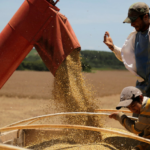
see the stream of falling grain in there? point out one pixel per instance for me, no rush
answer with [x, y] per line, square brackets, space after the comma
[75, 95]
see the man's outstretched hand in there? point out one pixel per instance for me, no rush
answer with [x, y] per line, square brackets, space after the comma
[108, 41]
[114, 115]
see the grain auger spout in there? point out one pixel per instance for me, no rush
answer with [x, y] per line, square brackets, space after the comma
[39, 24]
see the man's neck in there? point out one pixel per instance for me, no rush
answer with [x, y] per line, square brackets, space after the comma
[146, 27]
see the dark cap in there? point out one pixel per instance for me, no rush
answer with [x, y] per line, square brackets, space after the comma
[136, 10]
[127, 95]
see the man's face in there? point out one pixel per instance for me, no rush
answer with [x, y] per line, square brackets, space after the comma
[140, 24]
[135, 107]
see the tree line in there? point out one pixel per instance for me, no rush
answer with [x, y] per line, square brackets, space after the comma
[101, 60]
[90, 59]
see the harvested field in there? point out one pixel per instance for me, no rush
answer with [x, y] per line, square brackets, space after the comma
[110, 82]
[27, 94]
[28, 84]
[37, 85]
[27, 88]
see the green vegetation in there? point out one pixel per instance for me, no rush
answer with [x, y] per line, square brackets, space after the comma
[91, 60]
[100, 60]
[33, 62]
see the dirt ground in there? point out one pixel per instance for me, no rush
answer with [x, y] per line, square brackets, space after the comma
[36, 85]
[28, 93]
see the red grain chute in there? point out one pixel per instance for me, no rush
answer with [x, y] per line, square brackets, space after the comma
[36, 23]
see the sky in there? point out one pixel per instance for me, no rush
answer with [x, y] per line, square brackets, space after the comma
[88, 18]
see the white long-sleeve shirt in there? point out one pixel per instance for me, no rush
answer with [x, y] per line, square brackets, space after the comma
[126, 54]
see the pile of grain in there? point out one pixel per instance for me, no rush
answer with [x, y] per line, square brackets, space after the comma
[109, 142]
[74, 95]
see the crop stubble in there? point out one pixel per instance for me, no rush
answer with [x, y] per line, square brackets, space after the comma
[38, 85]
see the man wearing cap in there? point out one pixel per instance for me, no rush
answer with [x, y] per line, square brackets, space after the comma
[132, 98]
[135, 53]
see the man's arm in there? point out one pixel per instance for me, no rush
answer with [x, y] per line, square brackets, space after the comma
[132, 126]
[109, 42]
[117, 52]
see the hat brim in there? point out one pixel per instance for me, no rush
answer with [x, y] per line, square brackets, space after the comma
[127, 20]
[124, 103]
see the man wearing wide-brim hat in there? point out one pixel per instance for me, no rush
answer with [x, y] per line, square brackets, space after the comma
[135, 53]
[132, 98]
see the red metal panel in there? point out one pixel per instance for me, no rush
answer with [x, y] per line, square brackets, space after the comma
[28, 20]
[13, 49]
[56, 41]
[42, 6]
[35, 23]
